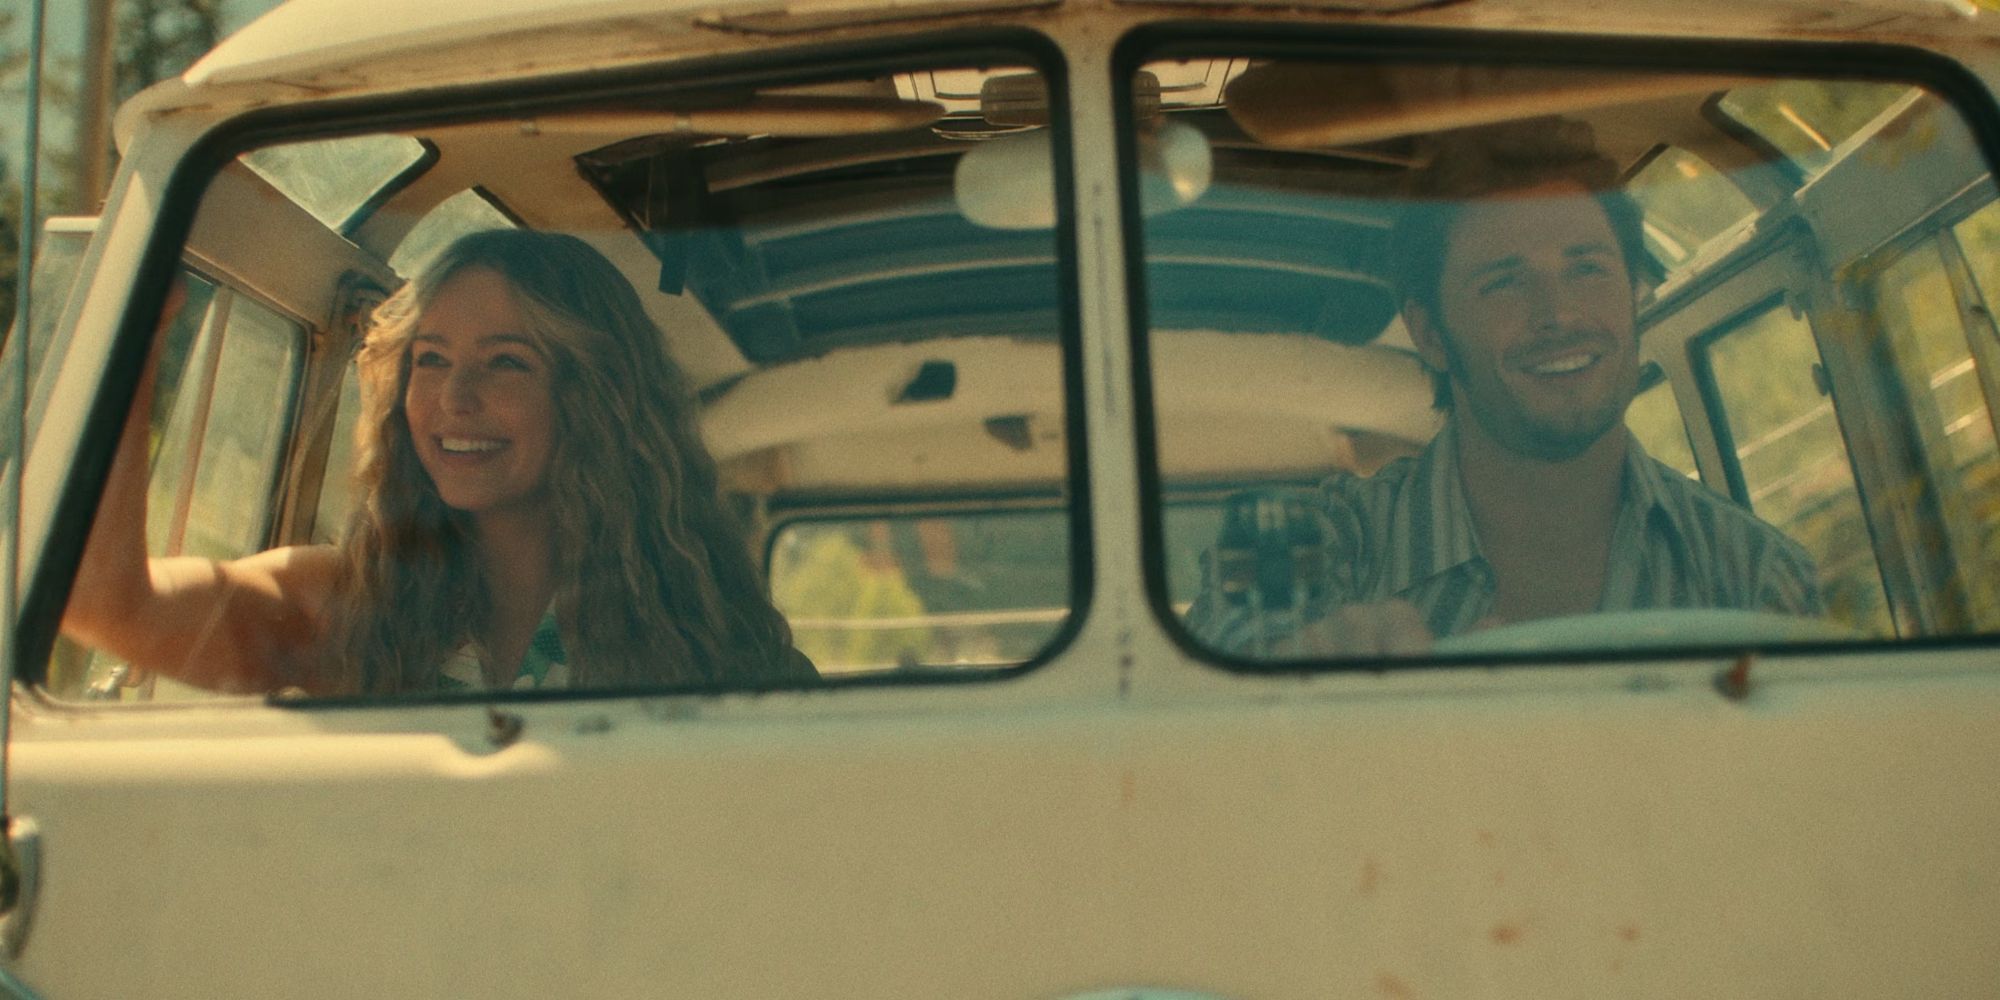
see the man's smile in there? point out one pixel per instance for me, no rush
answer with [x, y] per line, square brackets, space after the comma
[1554, 359]
[1564, 364]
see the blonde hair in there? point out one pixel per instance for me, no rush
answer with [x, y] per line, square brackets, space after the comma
[655, 581]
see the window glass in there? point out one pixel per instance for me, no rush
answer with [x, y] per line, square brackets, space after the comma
[1792, 458]
[336, 499]
[1808, 119]
[193, 344]
[248, 416]
[1920, 315]
[1393, 313]
[1655, 419]
[334, 178]
[553, 463]
[1687, 204]
[468, 211]
[940, 590]
[227, 375]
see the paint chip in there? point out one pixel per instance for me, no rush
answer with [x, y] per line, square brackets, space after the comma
[1394, 987]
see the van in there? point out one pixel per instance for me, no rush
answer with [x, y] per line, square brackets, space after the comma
[1034, 343]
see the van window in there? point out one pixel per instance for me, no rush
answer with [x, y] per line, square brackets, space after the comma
[1655, 421]
[1922, 318]
[645, 340]
[1688, 204]
[1788, 459]
[1808, 120]
[222, 418]
[468, 211]
[336, 179]
[941, 589]
[1563, 358]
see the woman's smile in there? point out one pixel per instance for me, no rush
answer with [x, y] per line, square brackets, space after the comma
[479, 402]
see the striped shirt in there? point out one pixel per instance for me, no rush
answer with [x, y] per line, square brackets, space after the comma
[1406, 533]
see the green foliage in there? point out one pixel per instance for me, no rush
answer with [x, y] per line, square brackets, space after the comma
[162, 38]
[833, 579]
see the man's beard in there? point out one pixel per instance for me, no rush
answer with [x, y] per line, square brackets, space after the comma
[1510, 423]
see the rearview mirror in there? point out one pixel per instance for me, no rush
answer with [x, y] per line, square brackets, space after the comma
[1007, 183]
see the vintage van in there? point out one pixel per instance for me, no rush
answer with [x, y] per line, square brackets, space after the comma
[1018, 328]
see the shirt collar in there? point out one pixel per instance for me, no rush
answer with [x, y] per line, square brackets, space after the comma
[1439, 519]
[1647, 491]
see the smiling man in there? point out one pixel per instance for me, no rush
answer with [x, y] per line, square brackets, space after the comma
[1519, 265]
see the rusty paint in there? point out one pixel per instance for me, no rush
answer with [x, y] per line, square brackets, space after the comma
[1628, 933]
[1391, 986]
[1734, 683]
[502, 728]
[1487, 839]
[1506, 934]
[1499, 878]
[1128, 788]
[1371, 877]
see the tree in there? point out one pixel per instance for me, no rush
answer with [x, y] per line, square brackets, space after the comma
[10, 241]
[161, 38]
[12, 63]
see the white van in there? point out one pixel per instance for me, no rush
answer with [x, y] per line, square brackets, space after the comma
[1022, 331]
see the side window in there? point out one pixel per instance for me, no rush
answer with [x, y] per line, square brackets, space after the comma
[231, 432]
[336, 497]
[1786, 457]
[944, 589]
[1922, 315]
[1399, 398]
[221, 422]
[655, 373]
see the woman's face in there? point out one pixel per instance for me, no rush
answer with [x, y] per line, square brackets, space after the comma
[480, 406]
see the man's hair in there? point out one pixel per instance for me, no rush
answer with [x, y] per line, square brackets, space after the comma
[1473, 164]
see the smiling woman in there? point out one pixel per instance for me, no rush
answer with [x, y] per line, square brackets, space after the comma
[526, 451]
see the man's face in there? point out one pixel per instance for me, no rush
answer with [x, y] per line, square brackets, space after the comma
[1537, 329]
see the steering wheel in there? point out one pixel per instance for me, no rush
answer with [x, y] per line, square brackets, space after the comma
[1665, 628]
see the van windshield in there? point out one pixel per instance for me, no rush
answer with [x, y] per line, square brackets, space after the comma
[1510, 358]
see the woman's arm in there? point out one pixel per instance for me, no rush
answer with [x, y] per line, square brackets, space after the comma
[242, 625]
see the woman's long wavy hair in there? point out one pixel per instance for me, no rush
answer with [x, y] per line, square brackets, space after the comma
[655, 580]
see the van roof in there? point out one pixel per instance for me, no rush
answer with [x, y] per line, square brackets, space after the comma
[358, 45]
[306, 50]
